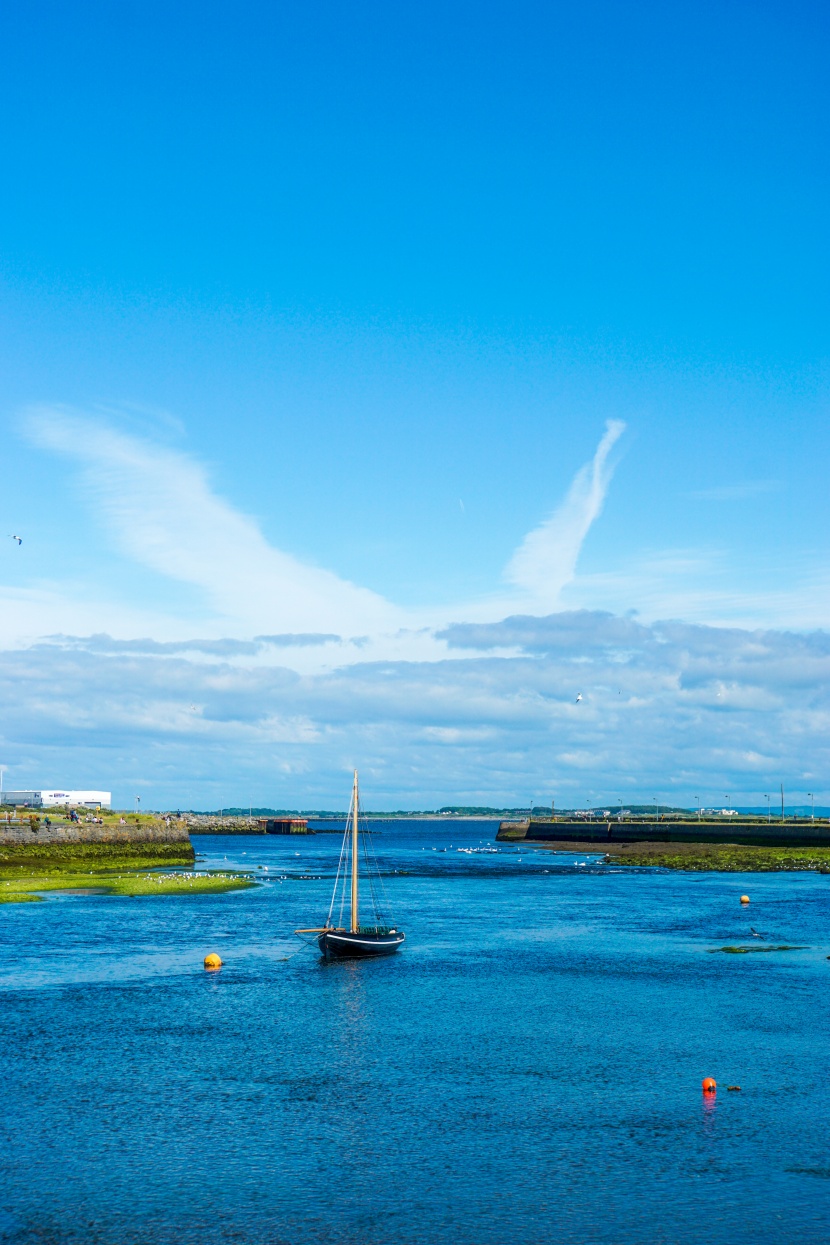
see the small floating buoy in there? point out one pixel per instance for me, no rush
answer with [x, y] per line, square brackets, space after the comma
[709, 1085]
[736, 1089]
[744, 898]
[213, 960]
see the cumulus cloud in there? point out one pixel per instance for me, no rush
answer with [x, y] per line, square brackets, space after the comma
[669, 709]
[304, 639]
[223, 648]
[574, 631]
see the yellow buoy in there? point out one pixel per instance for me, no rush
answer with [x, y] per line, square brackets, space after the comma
[213, 960]
[744, 898]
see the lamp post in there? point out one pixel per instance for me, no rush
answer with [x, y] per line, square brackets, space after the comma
[769, 809]
[656, 808]
[812, 806]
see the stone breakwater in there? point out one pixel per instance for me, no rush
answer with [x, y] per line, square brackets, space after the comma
[80, 832]
[606, 834]
[209, 823]
[151, 841]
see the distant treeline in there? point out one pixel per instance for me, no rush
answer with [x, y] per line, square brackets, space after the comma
[538, 811]
[452, 810]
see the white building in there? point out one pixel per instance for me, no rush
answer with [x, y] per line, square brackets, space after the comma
[49, 799]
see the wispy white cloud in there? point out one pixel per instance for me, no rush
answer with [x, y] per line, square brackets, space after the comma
[704, 585]
[161, 511]
[546, 559]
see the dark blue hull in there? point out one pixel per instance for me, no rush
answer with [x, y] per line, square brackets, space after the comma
[342, 944]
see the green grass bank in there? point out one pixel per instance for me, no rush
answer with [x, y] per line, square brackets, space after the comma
[24, 885]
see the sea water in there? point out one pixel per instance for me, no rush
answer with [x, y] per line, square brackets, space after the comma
[527, 1068]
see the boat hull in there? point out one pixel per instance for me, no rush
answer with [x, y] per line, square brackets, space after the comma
[343, 944]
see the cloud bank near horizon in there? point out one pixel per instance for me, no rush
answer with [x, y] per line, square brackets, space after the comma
[669, 710]
[307, 675]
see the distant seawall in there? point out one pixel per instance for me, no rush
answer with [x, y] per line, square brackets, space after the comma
[791, 833]
[153, 841]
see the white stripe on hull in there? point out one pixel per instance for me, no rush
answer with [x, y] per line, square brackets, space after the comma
[366, 942]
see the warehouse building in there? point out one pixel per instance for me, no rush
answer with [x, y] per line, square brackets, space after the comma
[50, 799]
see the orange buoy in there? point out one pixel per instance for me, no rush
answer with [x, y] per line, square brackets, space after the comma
[744, 898]
[709, 1085]
[213, 960]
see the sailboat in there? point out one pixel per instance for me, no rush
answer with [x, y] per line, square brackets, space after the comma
[339, 941]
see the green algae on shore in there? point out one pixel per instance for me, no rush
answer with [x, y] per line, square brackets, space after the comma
[72, 855]
[722, 857]
[19, 887]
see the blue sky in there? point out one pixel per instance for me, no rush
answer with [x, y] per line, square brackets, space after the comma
[377, 321]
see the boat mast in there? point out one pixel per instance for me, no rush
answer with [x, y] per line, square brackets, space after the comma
[355, 923]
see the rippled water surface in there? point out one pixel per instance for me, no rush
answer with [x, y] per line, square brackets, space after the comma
[527, 1069]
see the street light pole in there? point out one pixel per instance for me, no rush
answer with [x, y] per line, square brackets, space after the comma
[697, 798]
[812, 806]
[769, 809]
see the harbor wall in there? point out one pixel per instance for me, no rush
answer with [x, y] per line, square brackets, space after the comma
[791, 833]
[150, 842]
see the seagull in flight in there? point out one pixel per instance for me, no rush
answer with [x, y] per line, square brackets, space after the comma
[579, 697]
[19, 539]
[755, 933]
